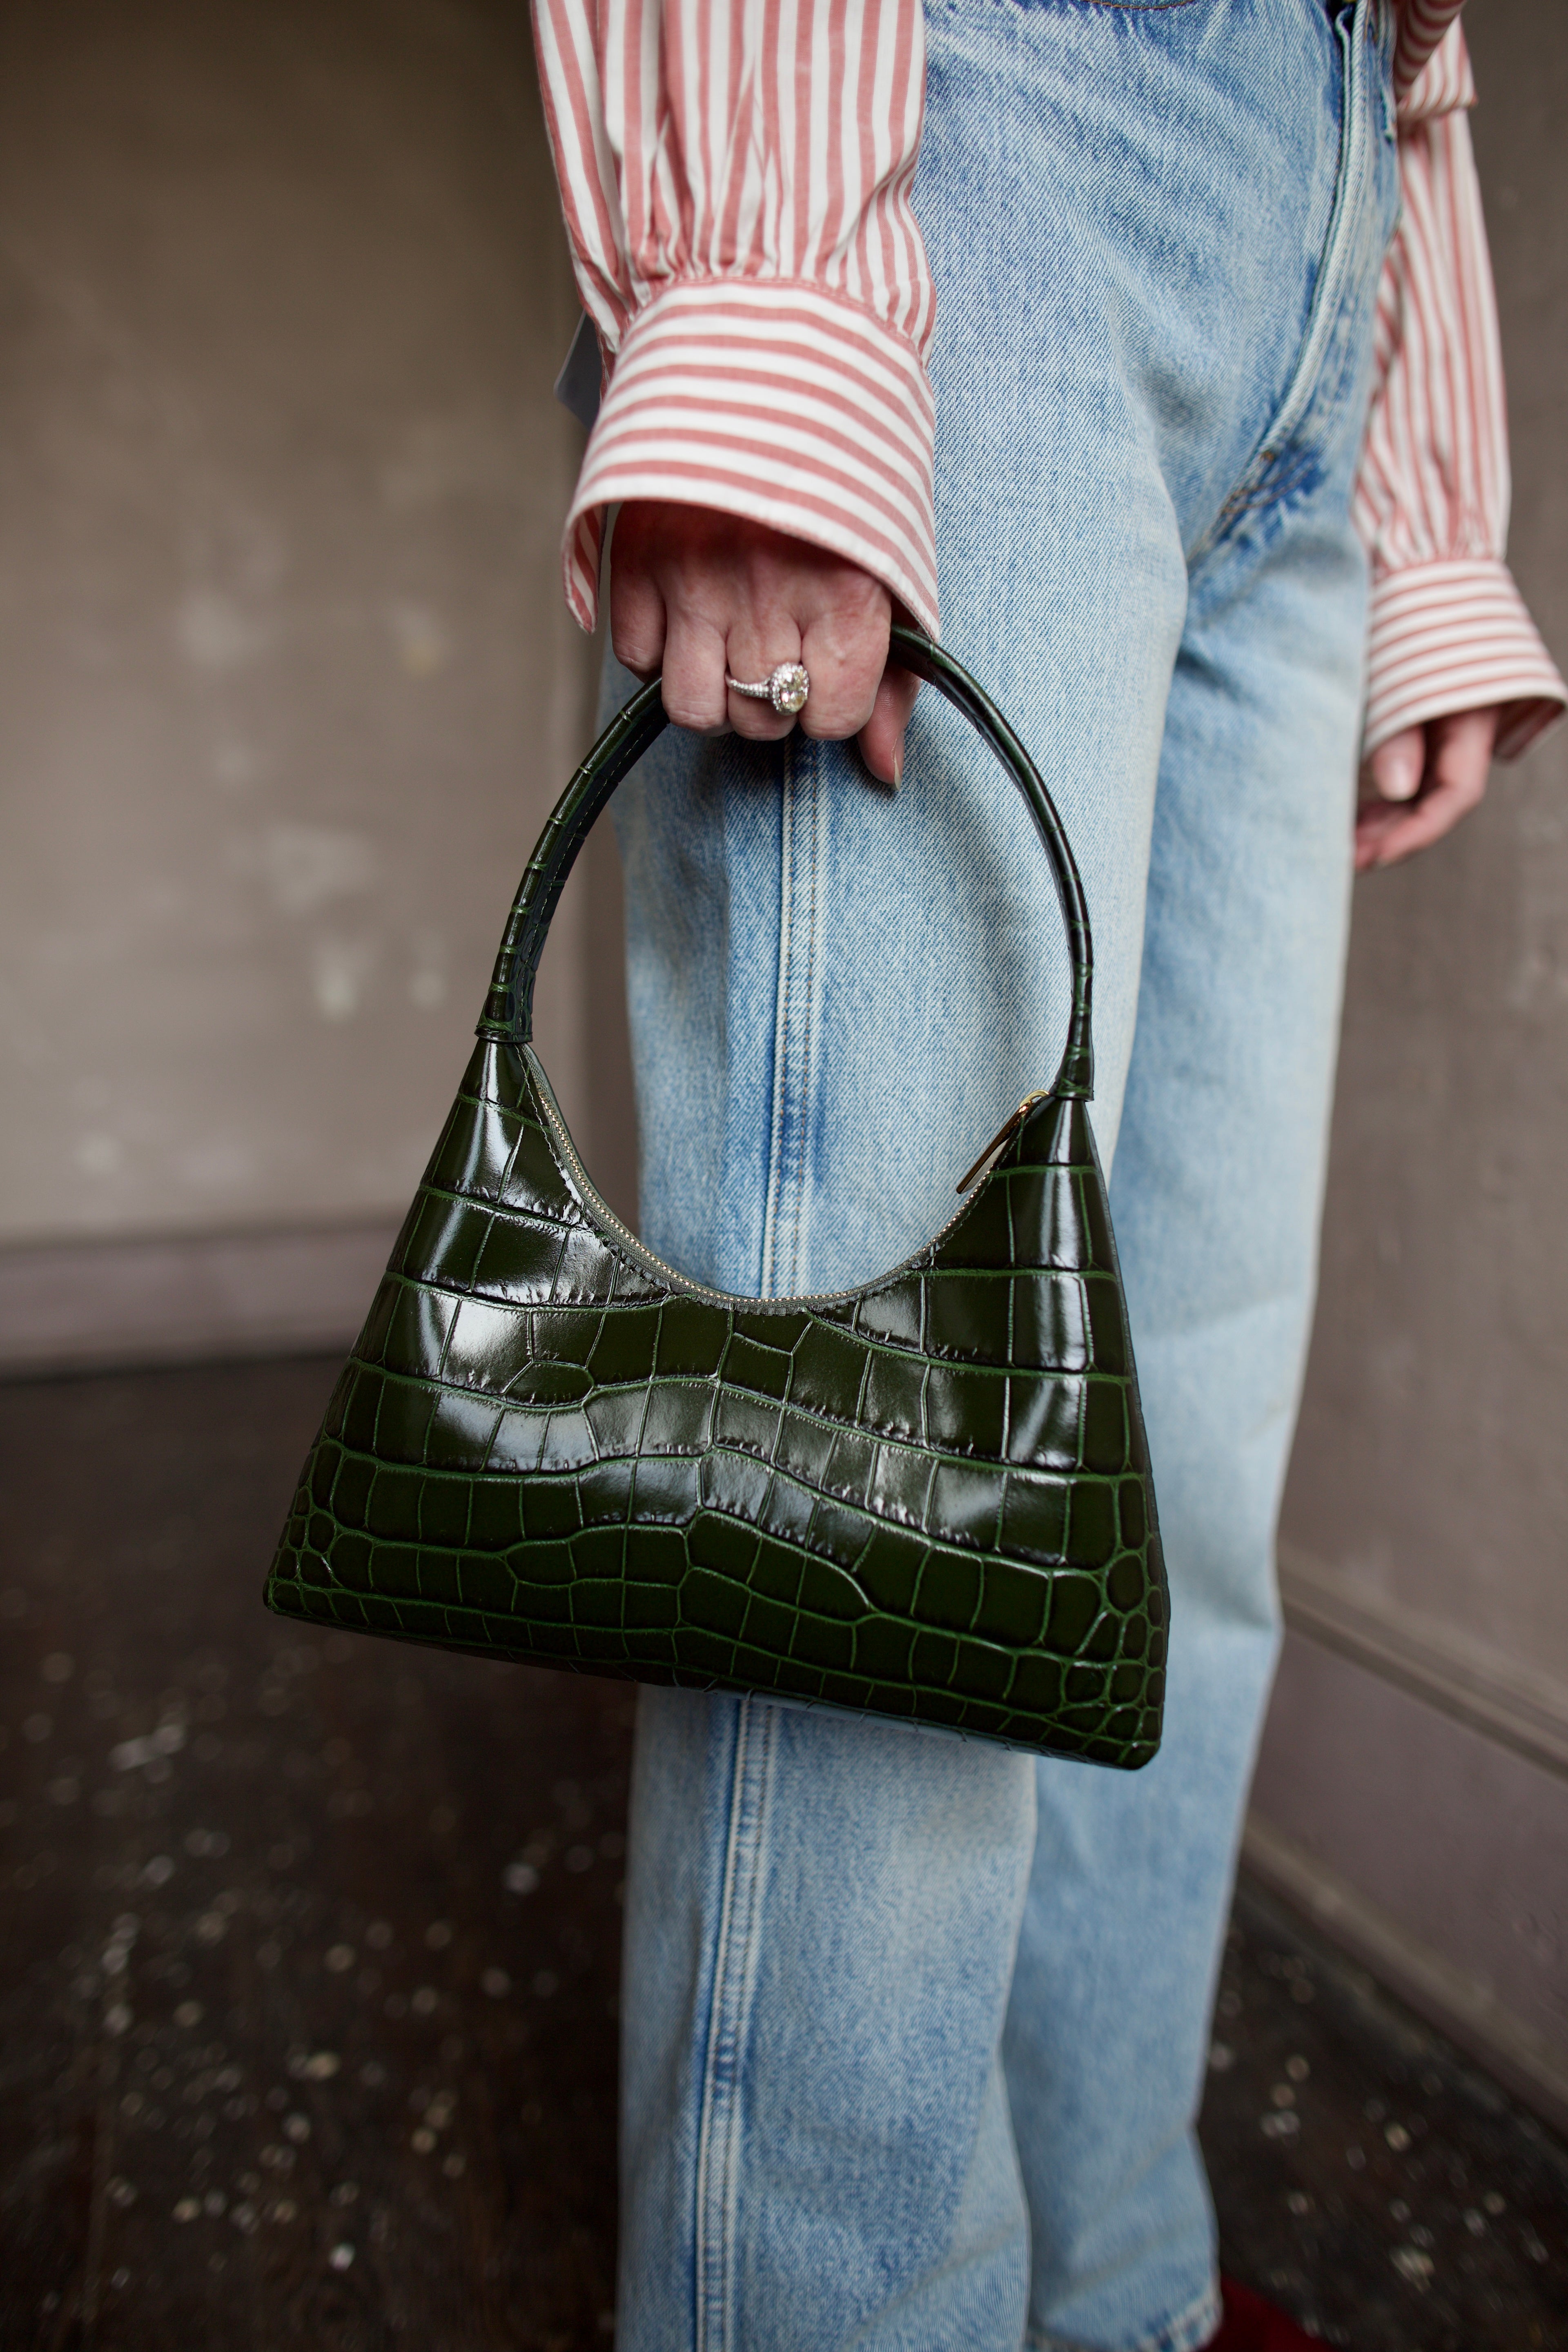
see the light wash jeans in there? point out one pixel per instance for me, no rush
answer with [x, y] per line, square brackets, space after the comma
[915, 2026]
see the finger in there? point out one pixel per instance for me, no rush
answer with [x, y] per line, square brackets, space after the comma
[1395, 769]
[637, 621]
[693, 679]
[1437, 813]
[845, 653]
[1409, 830]
[1376, 820]
[758, 642]
[1461, 750]
[882, 739]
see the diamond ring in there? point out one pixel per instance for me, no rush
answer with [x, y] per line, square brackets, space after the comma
[785, 687]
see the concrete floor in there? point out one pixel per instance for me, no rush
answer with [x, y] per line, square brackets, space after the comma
[310, 1966]
[1368, 2179]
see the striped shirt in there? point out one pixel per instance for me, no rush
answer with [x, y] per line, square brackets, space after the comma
[735, 176]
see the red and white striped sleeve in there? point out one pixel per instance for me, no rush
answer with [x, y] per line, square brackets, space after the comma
[735, 176]
[1449, 629]
[1423, 28]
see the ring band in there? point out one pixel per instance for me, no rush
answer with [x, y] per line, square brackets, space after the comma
[785, 687]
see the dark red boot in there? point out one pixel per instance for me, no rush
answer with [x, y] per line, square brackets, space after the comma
[1250, 2324]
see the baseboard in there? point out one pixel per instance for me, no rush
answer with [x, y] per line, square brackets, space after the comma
[81, 1306]
[1478, 1685]
[1459, 2004]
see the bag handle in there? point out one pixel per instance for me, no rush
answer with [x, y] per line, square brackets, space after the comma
[508, 1008]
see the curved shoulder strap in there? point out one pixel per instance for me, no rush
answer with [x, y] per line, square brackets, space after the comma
[508, 1008]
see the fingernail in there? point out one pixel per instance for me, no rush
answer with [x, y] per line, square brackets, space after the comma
[898, 767]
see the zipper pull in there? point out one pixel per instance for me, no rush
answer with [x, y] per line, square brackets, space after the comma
[1000, 1141]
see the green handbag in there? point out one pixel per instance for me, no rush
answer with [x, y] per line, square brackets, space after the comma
[927, 1498]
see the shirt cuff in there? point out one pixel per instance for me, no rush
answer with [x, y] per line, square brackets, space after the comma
[776, 401]
[1457, 637]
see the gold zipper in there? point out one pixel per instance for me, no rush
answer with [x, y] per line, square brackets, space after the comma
[1003, 1137]
[587, 1184]
[727, 1298]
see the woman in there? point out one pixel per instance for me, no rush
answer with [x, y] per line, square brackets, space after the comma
[915, 2028]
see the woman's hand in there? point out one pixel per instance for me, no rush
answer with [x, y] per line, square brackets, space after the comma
[694, 594]
[1417, 785]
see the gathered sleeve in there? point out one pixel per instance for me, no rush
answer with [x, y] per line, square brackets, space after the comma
[1449, 629]
[735, 177]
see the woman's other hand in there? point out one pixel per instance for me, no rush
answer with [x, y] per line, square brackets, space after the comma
[1415, 787]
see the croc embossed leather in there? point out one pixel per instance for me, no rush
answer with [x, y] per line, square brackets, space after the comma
[926, 1497]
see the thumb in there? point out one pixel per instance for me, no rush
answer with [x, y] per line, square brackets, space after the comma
[1395, 769]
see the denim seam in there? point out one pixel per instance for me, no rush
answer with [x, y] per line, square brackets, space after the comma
[771, 1203]
[1261, 484]
[808, 1016]
[734, 1964]
[799, 905]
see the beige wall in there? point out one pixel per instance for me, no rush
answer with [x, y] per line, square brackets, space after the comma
[286, 684]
